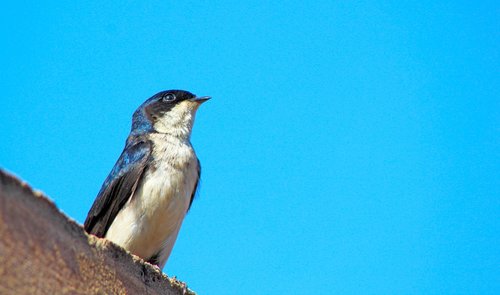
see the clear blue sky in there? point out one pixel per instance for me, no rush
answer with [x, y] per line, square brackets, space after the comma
[349, 148]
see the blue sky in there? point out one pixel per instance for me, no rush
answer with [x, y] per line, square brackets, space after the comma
[349, 148]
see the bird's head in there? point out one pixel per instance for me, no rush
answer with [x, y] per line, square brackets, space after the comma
[170, 112]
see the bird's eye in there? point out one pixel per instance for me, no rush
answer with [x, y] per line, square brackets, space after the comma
[168, 97]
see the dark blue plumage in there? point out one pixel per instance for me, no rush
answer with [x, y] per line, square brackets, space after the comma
[118, 186]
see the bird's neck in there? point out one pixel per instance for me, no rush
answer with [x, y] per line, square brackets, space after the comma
[176, 126]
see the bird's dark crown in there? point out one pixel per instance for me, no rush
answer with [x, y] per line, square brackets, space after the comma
[178, 96]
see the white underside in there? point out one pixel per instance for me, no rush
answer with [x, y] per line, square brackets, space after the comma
[149, 223]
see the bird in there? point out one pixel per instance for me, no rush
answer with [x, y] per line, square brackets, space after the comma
[144, 199]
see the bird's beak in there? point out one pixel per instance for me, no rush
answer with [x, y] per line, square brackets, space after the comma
[200, 99]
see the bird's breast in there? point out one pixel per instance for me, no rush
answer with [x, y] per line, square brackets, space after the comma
[153, 216]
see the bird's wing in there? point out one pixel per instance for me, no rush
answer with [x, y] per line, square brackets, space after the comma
[118, 187]
[195, 185]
